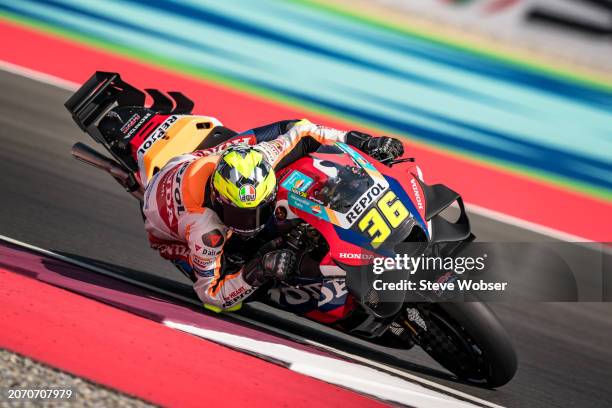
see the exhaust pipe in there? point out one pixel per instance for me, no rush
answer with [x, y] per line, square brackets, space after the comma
[86, 154]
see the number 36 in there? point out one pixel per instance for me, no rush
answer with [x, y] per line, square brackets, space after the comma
[375, 225]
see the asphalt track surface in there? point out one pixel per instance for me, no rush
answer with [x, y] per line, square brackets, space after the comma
[52, 201]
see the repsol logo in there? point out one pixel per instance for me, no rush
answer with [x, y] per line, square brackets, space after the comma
[159, 133]
[417, 194]
[177, 189]
[364, 202]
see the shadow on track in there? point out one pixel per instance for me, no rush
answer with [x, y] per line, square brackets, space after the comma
[291, 323]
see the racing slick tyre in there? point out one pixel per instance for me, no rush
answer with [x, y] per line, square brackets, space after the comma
[468, 340]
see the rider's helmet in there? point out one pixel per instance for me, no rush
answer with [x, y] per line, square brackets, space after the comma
[243, 190]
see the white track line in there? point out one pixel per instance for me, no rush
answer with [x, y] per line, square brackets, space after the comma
[371, 363]
[38, 76]
[484, 212]
[524, 224]
[342, 372]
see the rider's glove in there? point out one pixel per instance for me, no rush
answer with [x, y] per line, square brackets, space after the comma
[276, 265]
[383, 149]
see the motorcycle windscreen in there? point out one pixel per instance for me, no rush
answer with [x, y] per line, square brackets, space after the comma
[370, 209]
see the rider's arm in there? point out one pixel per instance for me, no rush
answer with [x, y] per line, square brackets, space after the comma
[271, 131]
[305, 137]
[217, 284]
[302, 138]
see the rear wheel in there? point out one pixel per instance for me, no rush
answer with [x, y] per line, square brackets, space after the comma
[466, 339]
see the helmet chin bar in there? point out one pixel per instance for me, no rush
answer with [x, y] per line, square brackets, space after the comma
[244, 234]
[245, 222]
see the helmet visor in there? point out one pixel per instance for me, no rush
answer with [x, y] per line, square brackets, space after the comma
[244, 220]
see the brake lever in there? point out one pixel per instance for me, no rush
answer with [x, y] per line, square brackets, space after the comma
[404, 160]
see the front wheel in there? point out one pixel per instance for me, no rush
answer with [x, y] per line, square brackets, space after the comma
[466, 339]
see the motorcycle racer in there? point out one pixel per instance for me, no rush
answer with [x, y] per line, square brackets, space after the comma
[208, 200]
[197, 201]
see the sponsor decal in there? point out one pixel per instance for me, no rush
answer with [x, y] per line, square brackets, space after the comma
[327, 130]
[315, 200]
[210, 252]
[247, 193]
[159, 133]
[131, 121]
[297, 181]
[271, 150]
[316, 209]
[306, 205]
[165, 201]
[204, 263]
[352, 255]
[364, 202]
[333, 291]
[169, 198]
[170, 250]
[277, 145]
[300, 193]
[417, 194]
[180, 208]
[213, 239]
[235, 293]
[205, 274]
[133, 128]
[236, 296]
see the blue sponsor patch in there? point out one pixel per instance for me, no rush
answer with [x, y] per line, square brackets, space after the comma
[297, 181]
[204, 274]
[308, 206]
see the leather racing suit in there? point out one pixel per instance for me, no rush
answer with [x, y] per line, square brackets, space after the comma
[183, 227]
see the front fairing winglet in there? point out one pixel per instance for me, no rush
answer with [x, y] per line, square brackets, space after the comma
[438, 197]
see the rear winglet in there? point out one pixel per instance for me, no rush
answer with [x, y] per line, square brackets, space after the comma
[102, 92]
[106, 90]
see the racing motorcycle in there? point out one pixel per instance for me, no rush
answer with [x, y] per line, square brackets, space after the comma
[337, 209]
